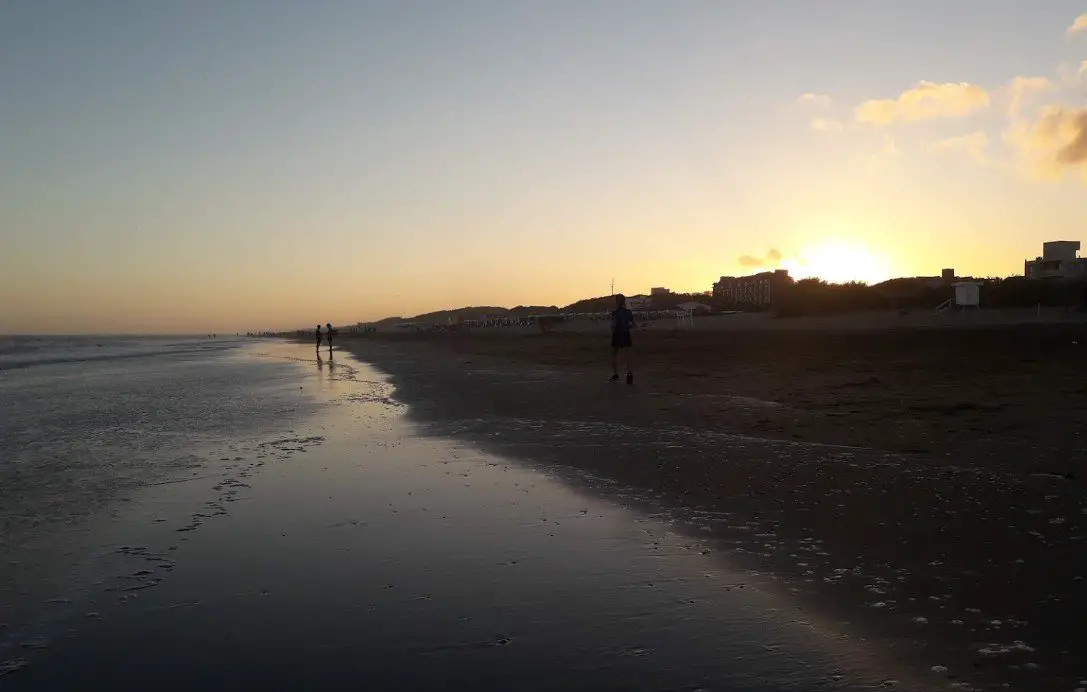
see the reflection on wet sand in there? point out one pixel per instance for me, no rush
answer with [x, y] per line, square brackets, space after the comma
[348, 548]
[838, 532]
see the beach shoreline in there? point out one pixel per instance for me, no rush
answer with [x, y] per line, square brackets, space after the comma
[343, 545]
[938, 472]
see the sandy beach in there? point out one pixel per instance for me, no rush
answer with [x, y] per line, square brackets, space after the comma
[312, 325]
[264, 519]
[921, 488]
[761, 511]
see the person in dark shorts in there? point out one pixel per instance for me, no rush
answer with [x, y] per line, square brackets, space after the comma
[328, 333]
[318, 339]
[622, 322]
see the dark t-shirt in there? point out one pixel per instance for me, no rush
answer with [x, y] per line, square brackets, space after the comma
[622, 321]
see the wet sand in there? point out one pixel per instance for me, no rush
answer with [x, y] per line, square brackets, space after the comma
[350, 551]
[922, 490]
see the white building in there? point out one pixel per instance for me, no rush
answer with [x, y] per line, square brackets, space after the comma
[967, 294]
[1060, 259]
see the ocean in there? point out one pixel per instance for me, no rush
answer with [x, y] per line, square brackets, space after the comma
[85, 418]
[196, 513]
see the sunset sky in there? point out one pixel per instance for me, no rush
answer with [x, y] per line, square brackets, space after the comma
[227, 166]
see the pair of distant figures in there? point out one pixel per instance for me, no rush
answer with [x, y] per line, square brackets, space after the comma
[329, 332]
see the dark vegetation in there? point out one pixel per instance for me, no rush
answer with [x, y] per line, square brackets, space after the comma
[588, 305]
[816, 297]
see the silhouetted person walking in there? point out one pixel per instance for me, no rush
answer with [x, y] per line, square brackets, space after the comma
[622, 322]
[328, 329]
[318, 340]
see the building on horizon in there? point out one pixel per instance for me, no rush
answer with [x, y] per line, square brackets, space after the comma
[1060, 260]
[757, 291]
[659, 291]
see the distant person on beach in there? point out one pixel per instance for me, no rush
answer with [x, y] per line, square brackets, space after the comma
[328, 328]
[318, 339]
[622, 322]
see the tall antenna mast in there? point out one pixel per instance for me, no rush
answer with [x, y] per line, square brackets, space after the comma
[613, 286]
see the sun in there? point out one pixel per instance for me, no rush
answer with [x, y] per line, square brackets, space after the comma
[840, 262]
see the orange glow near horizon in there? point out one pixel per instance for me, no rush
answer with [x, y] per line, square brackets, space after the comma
[530, 156]
[839, 261]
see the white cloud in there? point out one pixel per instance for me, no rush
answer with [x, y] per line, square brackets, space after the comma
[1054, 144]
[1022, 89]
[818, 101]
[1080, 24]
[827, 126]
[1071, 77]
[925, 101]
[973, 145]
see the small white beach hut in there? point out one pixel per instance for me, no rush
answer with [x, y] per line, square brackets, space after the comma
[967, 294]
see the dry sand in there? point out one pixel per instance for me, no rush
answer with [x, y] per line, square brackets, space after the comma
[946, 514]
[1012, 395]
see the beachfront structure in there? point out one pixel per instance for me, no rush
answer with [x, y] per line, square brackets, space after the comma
[659, 291]
[967, 294]
[755, 291]
[1060, 260]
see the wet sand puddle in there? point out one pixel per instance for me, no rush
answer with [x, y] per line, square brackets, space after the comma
[349, 551]
[114, 572]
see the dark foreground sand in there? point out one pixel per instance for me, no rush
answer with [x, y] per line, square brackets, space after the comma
[922, 487]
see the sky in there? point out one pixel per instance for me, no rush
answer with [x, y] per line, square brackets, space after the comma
[266, 164]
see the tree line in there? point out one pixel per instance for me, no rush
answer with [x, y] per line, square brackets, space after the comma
[817, 297]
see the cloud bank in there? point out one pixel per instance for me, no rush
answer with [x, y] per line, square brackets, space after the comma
[925, 101]
[1048, 142]
[1022, 89]
[1055, 144]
